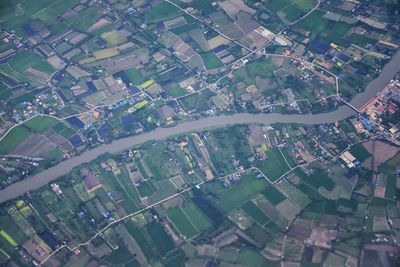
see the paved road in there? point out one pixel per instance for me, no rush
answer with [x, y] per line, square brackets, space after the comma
[65, 167]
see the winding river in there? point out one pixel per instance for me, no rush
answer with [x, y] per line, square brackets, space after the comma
[66, 166]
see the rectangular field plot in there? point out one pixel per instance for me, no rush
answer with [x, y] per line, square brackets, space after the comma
[240, 192]
[197, 217]
[274, 166]
[182, 222]
[13, 138]
[294, 194]
[254, 212]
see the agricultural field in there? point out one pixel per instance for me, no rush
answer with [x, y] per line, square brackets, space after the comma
[274, 166]
[152, 130]
[183, 223]
[162, 11]
[211, 61]
[13, 138]
[25, 60]
[324, 28]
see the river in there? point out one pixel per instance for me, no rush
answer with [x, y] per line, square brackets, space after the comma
[343, 112]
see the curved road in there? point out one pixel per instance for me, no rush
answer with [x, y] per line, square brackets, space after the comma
[66, 166]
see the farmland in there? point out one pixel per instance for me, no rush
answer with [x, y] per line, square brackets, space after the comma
[274, 166]
[188, 133]
[16, 136]
[244, 200]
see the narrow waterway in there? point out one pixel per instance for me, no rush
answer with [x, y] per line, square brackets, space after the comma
[66, 166]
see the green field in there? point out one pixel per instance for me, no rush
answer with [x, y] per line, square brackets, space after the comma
[204, 6]
[119, 256]
[325, 29]
[5, 93]
[249, 257]
[273, 195]
[63, 130]
[181, 222]
[23, 61]
[8, 225]
[305, 5]
[84, 19]
[196, 216]
[251, 209]
[359, 152]
[176, 91]
[13, 138]
[185, 28]
[161, 240]
[54, 8]
[134, 76]
[274, 166]
[361, 40]
[162, 11]
[317, 179]
[290, 10]
[198, 101]
[145, 189]
[240, 192]
[141, 239]
[211, 61]
[41, 123]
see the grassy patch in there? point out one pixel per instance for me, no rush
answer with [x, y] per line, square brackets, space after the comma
[134, 76]
[84, 19]
[330, 31]
[251, 209]
[161, 12]
[13, 139]
[181, 222]
[5, 93]
[120, 255]
[359, 152]
[141, 239]
[161, 240]
[247, 187]
[274, 166]
[249, 257]
[197, 217]
[41, 123]
[273, 195]
[197, 102]
[145, 189]
[176, 91]
[23, 61]
[204, 6]
[317, 179]
[211, 61]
